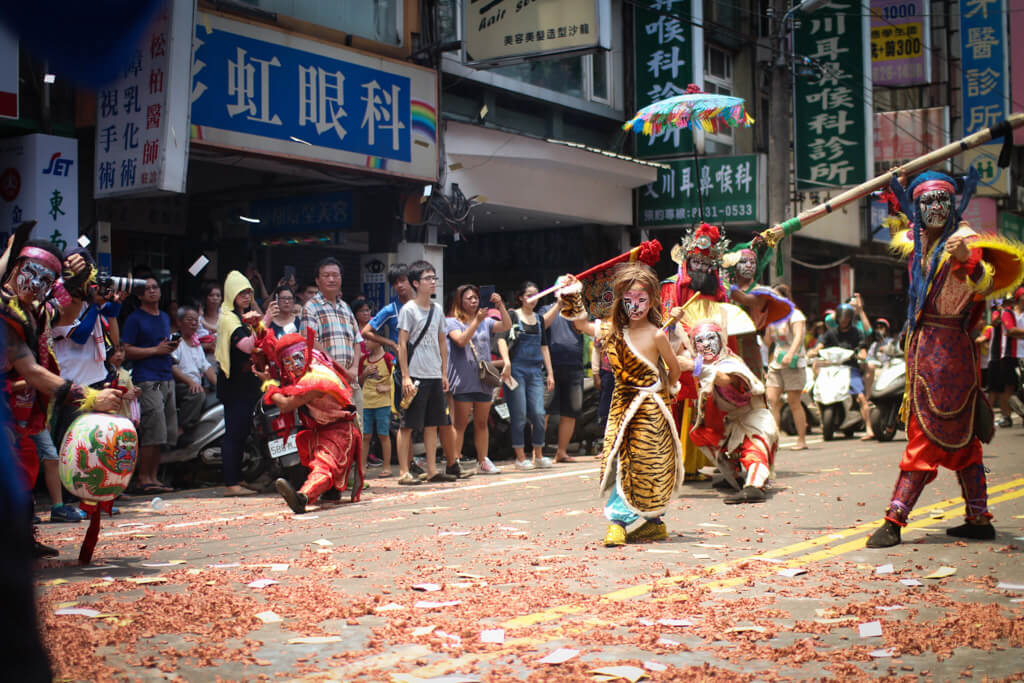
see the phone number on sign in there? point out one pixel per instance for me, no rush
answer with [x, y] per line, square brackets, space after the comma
[710, 212]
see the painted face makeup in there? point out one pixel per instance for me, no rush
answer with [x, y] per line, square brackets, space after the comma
[35, 279]
[935, 207]
[746, 267]
[636, 302]
[294, 362]
[708, 344]
[700, 264]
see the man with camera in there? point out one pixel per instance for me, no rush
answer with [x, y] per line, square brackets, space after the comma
[82, 334]
[149, 344]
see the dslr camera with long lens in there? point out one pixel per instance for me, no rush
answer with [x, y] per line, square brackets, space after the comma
[115, 283]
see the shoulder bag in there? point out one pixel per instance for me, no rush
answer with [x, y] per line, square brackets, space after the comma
[488, 374]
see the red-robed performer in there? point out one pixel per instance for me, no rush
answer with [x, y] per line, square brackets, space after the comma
[952, 271]
[330, 440]
[698, 286]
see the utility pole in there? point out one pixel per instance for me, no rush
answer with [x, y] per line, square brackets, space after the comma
[779, 134]
[781, 155]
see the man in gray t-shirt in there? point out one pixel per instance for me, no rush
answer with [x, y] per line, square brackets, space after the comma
[423, 360]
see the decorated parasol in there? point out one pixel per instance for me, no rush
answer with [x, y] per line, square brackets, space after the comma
[691, 110]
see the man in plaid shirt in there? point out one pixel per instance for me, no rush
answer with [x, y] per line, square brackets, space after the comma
[335, 328]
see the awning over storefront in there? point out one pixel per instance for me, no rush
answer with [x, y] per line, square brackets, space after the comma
[532, 182]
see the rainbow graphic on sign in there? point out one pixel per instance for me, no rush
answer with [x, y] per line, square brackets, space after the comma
[424, 120]
[378, 163]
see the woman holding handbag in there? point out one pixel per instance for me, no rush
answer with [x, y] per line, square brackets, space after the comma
[471, 375]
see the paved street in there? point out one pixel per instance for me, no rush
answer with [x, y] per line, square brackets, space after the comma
[518, 556]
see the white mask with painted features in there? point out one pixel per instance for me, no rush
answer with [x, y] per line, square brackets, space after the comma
[636, 302]
[935, 207]
[36, 279]
[708, 344]
[746, 267]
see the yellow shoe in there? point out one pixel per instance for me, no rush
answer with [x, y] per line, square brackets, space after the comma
[648, 531]
[615, 537]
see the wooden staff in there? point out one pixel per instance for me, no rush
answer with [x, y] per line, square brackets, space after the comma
[672, 320]
[1002, 129]
[648, 252]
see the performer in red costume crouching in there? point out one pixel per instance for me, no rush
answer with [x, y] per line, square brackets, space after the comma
[330, 441]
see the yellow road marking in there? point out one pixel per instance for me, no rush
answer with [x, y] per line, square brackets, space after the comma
[645, 588]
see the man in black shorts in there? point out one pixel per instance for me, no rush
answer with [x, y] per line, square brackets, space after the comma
[1002, 368]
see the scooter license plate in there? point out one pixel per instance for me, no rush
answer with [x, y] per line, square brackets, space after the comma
[281, 447]
[502, 410]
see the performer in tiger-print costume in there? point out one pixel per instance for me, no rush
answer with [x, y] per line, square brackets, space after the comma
[642, 464]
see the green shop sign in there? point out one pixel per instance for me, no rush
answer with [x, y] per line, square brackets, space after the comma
[1011, 225]
[728, 187]
[666, 48]
[833, 103]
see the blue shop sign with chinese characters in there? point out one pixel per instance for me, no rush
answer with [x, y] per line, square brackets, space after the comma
[258, 89]
[315, 213]
[983, 63]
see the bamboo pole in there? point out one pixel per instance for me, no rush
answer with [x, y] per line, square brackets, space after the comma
[808, 216]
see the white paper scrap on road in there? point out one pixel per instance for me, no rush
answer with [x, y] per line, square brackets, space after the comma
[454, 533]
[231, 565]
[645, 622]
[790, 572]
[655, 666]
[262, 583]
[668, 642]
[492, 635]
[426, 587]
[911, 582]
[883, 652]
[941, 573]
[77, 611]
[701, 556]
[675, 622]
[884, 569]
[163, 564]
[1002, 585]
[612, 673]
[314, 640]
[427, 604]
[268, 617]
[742, 629]
[423, 630]
[390, 607]
[890, 608]
[870, 629]
[323, 542]
[562, 654]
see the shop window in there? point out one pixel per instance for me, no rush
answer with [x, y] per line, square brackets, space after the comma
[379, 20]
[718, 79]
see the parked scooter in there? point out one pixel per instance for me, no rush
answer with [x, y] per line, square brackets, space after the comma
[273, 440]
[887, 393]
[196, 460]
[832, 394]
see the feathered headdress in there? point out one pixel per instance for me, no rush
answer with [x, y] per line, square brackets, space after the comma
[708, 240]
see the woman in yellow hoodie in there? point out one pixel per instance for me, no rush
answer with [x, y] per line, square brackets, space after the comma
[237, 387]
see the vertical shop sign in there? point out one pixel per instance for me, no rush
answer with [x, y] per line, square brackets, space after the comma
[1016, 44]
[142, 117]
[983, 63]
[39, 182]
[668, 55]
[8, 74]
[833, 112]
[900, 41]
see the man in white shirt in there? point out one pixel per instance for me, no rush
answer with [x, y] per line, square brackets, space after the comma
[190, 366]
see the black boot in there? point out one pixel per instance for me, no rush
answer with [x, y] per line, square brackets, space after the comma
[45, 551]
[885, 536]
[977, 532]
[296, 499]
[748, 494]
